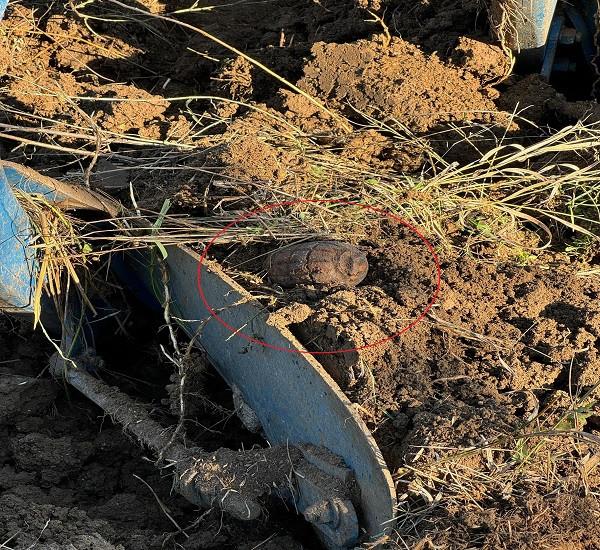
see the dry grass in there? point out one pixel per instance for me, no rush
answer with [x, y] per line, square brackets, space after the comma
[511, 196]
[513, 186]
[512, 199]
[499, 481]
[504, 16]
[61, 251]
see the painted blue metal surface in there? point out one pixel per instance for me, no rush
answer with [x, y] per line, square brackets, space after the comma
[573, 29]
[19, 179]
[527, 32]
[543, 27]
[294, 398]
[583, 17]
[551, 46]
[532, 20]
[18, 267]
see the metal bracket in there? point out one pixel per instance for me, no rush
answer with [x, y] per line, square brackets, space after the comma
[327, 490]
[315, 480]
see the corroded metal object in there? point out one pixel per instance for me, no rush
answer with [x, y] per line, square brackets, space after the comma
[318, 263]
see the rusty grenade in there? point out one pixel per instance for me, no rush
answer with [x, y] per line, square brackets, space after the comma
[319, 263]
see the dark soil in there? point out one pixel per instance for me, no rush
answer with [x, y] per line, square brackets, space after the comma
[504, 341]
[72, 479]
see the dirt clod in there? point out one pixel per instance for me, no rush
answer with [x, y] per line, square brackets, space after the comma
[396, 80]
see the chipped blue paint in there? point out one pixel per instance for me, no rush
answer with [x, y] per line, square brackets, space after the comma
[294, 398]
[537, 36]
[27, 185]
[18, 266]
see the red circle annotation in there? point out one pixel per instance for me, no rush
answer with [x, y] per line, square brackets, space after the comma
[316, 201]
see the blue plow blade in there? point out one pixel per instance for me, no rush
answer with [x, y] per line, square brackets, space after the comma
[293, 397]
